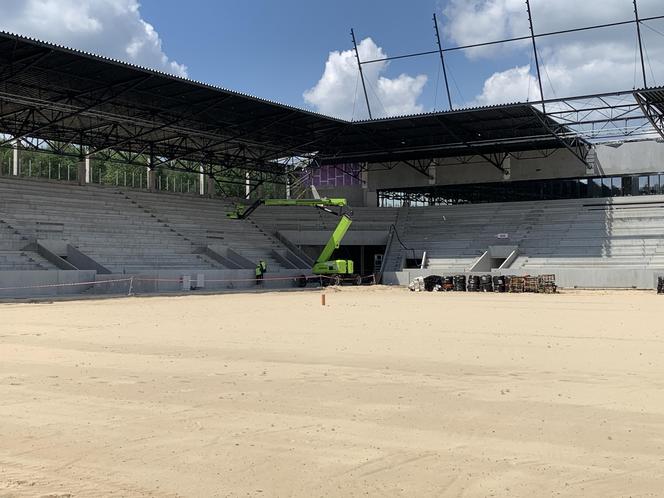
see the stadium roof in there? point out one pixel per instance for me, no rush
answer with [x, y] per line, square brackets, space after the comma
[66, 96]
[484, 130]
[654, 97]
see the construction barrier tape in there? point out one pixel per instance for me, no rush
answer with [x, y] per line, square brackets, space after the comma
[132, 280]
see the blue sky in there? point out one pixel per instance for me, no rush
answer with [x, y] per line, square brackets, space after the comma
[277, 50]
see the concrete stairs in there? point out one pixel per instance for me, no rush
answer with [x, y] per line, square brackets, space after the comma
[13, 253]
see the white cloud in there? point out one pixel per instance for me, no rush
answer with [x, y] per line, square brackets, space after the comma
[113, 28]
[574, 64]
[508, 86]
[339, 91]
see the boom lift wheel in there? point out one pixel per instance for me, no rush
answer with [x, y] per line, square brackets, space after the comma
[336, 280]
[357, 280]
[300, 281]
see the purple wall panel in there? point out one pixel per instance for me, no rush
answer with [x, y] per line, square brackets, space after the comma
[340, 175]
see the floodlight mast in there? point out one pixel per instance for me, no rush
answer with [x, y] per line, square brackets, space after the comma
[359, 65]
[537, 66]
[533, 37]
[638, 34]
[442, 60]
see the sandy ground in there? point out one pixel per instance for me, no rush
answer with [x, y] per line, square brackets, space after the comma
[380, 393]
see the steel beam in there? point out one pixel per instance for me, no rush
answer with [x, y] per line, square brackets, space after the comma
[576, 145]
[652, 113]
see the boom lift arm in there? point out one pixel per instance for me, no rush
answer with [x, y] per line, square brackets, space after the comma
[334, 269]
[335, 239]
[241, 212]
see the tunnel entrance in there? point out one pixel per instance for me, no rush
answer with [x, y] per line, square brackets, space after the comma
[367, 258]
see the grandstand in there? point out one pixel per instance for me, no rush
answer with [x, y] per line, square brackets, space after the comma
[429, 194]
[614, 238]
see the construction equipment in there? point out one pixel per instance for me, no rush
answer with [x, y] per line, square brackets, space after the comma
[333, 271]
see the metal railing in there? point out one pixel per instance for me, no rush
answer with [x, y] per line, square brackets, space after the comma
[116, 176]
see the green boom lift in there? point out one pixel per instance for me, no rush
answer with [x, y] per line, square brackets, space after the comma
[335, 269]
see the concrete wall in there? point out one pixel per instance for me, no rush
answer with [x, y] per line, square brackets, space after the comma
[630, 157]
[626, 158]
[44, 282]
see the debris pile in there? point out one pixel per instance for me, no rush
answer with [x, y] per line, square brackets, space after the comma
[543, 284]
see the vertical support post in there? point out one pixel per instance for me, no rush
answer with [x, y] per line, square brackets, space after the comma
[82, 163]
[362, 269]
[201, 180]
[638, 34]
[15, 158]
[88, 172]
[532, 37]
[442, 60]
[211, 184]
[359, 65]
[247, 185]
[151, 176]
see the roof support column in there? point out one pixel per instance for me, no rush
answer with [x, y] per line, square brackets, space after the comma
[15, 158]
[151, 171]
[211, 187]
[247, 185]
[152, 179]
[80, 177]
[201, 181]
[83, 165]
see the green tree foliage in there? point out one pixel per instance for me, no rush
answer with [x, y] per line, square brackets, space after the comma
[112, 172]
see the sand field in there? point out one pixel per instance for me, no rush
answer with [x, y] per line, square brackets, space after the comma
[382, 392]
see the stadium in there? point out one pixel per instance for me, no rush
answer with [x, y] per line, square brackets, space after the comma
[205, 293]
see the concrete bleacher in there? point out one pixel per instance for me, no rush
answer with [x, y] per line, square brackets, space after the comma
[616, 233]
[625, 232]
[286, 218]
[99, 222]
[204, 221]
[135, 231]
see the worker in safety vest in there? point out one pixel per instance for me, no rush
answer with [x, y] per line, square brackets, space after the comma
[261, 269]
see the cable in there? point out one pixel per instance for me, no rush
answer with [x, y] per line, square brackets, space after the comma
[357, 82]
[530, 65]
[651, 28]
[652, 73]
[636, 59]
[377, 96]
[546, 71]
[435, 98]
[394, 228]
[455, 84]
